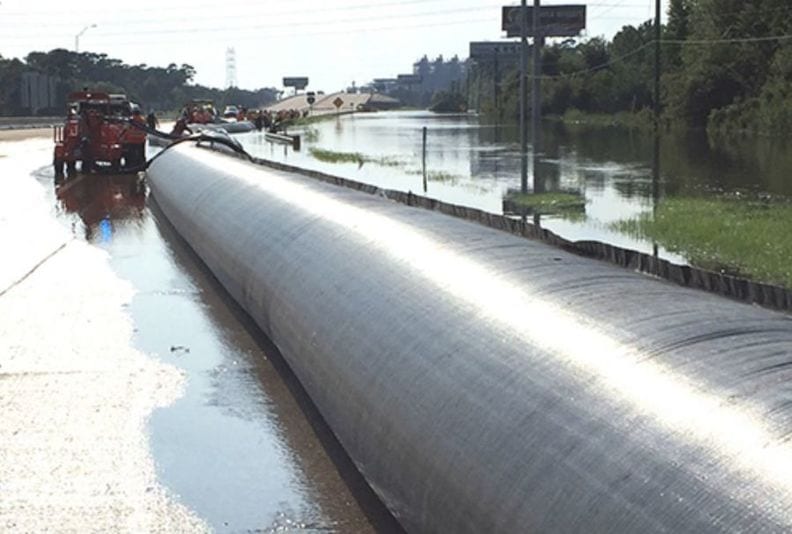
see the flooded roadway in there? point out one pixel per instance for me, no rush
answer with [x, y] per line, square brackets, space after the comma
[243, 448]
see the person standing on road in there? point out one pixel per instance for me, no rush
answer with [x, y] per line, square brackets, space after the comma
[151, 120]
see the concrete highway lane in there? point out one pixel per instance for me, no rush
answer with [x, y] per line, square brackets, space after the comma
[135, 395]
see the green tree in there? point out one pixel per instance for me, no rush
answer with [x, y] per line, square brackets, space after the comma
[154, 87]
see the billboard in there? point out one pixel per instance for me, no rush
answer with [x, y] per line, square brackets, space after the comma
[492, 49]
[297, 82]
[554, 21]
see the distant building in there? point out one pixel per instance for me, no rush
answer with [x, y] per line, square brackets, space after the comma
[427, 78]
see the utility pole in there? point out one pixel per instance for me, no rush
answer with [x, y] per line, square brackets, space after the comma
[656, 153]
[523, 97]
[479, 75]
[658, 36]
[496, 89]
[536, 94]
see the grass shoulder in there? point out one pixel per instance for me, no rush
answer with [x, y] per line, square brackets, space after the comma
[748, 237]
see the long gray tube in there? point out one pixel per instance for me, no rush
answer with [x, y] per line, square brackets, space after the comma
[486, 383]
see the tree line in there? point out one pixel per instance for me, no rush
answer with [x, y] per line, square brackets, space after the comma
[726, 66]
[154, 88]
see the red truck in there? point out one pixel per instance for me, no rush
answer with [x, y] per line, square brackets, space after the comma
[99, 133]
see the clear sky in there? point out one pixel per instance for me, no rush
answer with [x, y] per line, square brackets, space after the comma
[333, 42]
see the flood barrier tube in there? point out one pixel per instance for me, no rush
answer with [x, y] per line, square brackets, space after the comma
[230, 127]
[482, 382]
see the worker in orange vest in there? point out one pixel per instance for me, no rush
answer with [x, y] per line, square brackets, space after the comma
[137, 117]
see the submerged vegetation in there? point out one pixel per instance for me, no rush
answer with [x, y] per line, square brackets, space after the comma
[310, 135]
[311, 119]
[442, 176]
[333, 156]
[437, 176]
[638, 120]
[750, 237]
[546, 203]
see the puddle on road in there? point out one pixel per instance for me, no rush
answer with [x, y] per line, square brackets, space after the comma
[95, 205]
[244, 448]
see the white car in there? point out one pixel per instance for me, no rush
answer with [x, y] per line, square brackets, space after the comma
[230, 112]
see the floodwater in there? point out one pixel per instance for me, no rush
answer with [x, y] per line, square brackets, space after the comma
[243, 448]
[476, 164]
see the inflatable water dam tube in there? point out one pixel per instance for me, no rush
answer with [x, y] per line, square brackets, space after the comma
[228, 126]
[482, 382]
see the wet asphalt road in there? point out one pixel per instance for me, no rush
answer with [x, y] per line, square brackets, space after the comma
[243, 448]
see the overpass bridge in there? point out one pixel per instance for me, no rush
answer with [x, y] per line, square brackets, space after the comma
[325, 103]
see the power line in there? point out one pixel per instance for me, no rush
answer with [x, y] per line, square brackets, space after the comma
[612, 7]
[291, 24]
[346, 31]
[728, 41]
[179, 19]
[193, 7]
[662, 41]
[602, 65]
[247, 15]
[280, 25]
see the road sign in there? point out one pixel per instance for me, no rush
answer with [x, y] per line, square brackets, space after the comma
[492, 49]
[298, 82]
[338, 102]
[554, 21]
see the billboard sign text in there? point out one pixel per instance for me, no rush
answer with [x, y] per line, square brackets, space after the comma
[554, 21]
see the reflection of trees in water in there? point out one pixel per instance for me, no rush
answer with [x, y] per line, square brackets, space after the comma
[547, 175]
[497, 163]
[102, 200]
[689, 161]
[634, 186]
[745, 163]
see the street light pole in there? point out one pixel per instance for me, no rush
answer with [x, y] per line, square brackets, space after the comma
[77, 37]
[536, 93]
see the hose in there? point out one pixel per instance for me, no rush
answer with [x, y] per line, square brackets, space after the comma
[221, 138]
[212, 136]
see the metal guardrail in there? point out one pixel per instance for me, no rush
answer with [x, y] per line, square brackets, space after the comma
[285, 139]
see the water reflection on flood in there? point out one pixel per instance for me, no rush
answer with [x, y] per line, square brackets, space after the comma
[478, 164]
[96, 204]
